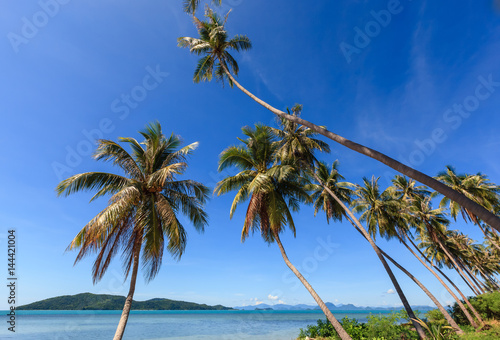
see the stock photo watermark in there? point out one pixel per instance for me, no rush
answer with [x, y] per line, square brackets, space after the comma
[453, 119]
[33, 24]
[363, 36]
[11, 280]
[123, 106]
[324, 249]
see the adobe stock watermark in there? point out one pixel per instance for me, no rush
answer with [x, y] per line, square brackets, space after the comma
[32, 25]
[453, 118]
[322, 252]
[364, 35]
[123, 106]
[115, 286]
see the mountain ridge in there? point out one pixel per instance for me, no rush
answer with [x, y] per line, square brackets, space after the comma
[331, 306]
[89, 301]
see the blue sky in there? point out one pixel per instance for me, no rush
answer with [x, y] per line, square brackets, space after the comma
[421, 84]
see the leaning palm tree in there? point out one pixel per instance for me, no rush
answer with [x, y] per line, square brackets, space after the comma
[322, 199]
[142, 213]
[476, 187]
[273, 191]
[297, 147]
[213, 45]
[403, 190]
[432, 224]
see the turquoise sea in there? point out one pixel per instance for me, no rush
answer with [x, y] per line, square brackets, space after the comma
[166, 325]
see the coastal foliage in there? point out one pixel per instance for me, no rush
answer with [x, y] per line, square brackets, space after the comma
[488, 305]
[378, 327]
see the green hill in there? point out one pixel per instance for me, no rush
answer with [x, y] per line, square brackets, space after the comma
[88, 301]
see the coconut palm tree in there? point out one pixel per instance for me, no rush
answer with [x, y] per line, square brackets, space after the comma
[296, 147]
[322, 199]
[273, 190]
[431, 223]
[142, 213]
[403, 190]
[213, 43]
[476, 187]
[381, 213]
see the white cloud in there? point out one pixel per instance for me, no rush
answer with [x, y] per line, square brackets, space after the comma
[255, 301]
[281, 302]
[273, 298]
[391, 291]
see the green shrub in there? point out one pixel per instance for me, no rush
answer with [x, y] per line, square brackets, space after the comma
[487, 305]
[435, 317]
[378, 327]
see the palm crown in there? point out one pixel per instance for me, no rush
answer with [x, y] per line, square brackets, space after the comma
[273, 189]
[213, 44]
[143, 208]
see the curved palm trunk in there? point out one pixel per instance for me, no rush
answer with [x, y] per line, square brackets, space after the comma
[460, 269]
[448, 289]
[128, 301]
[445, 190]
[474, 311]
[446, 315]
[435, 238]
[479, 284]
[365, 234]
[338, 327]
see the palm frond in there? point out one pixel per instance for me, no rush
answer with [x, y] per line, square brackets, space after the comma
[92, 181]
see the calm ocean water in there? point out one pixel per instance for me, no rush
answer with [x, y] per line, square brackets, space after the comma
[163, 325]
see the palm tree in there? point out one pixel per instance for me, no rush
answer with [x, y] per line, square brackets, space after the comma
[272, 190]
[322, 199]
[432, 223]
[476, 187]
[141, 215]
[381, 213]
[297, 147]
[213, 43]
[404, 190]
[459, 302]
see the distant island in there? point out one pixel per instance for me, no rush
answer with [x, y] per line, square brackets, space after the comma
[88, 301]
[331, 306]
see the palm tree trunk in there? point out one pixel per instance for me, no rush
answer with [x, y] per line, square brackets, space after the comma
[362, 230]
[338, 327]
[128, 301]
[479, 284]
[474, 311]
[445, 190]
[446, 315]
[455, 264]
[448, 289]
